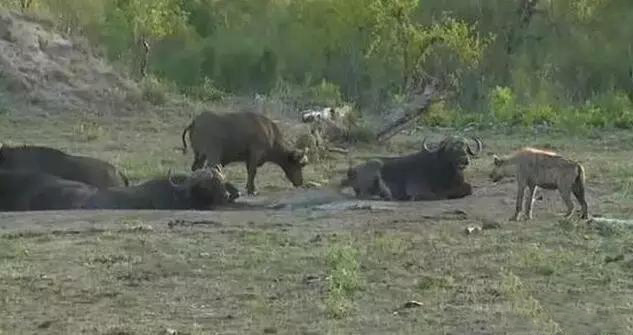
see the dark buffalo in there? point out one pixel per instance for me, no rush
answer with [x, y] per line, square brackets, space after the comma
[243, 137]
[204, 189]
[57, 163]
[31, 191]
[430, 174]
[24, 190]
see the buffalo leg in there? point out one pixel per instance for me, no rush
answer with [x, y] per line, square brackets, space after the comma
[519, 202]
[251, 169]
[459, 192]
[234, 193]
[530, 201]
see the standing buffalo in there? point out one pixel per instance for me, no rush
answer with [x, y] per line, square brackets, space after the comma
[24, 190]
[243, 137]
[430, 174]
[57, 163]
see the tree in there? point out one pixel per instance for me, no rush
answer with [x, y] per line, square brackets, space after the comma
[151, 20]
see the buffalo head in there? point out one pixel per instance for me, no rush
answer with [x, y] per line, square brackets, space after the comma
[456, 150]
[206, 187]
[293, 166]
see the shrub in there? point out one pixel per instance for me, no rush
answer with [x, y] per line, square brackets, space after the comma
[154, 91]
[502, 104]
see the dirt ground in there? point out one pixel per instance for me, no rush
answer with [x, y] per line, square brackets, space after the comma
[315, 261]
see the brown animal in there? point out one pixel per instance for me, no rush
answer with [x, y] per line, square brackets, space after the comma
[366, 180]
[430, 174]
[243, 137]
[27, 190]
[57, 163]
[537, 168]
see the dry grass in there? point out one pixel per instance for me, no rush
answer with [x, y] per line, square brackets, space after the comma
[315, 272]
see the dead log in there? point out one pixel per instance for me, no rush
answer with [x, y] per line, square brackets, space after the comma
[609, 221]
[337, 150]
[416, 108]
[145, 59]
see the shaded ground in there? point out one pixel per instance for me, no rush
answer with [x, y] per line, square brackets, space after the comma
[294, 261]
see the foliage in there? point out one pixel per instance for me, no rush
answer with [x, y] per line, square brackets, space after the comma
[517, 62]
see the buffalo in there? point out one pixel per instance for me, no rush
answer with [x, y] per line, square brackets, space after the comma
[54, 162]
[31, 191]
[243, 137]
[204, 189]
[430, 174]
[25, 190]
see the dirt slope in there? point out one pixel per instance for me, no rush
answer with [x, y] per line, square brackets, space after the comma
[51, 73]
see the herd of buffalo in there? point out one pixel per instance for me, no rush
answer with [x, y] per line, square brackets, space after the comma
[42, 178]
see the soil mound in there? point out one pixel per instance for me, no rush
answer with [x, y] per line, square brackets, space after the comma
[43, 69]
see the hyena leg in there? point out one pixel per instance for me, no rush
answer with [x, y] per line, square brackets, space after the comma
[519, 202]
[579, 193]
[566, 195]
[382, 189]
[530, 201]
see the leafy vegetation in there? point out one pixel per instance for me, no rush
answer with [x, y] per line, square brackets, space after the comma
[522, 62]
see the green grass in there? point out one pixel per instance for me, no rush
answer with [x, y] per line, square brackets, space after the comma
[315, 272]
[344, 278]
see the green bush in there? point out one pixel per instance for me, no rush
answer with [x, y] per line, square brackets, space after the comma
[207, 91]
[155, 91]
[502, 104]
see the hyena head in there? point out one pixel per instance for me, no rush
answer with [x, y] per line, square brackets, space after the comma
[501, 168]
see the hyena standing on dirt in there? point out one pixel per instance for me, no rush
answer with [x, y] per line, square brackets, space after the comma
[544, 169]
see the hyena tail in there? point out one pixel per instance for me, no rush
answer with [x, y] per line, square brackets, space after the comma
[580, 178]
[579, 190]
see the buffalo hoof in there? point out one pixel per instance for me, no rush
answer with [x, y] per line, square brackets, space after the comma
[234, 196]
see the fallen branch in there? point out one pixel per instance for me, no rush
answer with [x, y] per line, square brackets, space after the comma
[420, 104]
[337, 150]
[612, 221]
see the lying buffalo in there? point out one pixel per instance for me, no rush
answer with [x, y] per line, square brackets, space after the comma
[31, 191]
[204, 189]
[243, 137]
[57, 163]
[430, 174]
[23, 190]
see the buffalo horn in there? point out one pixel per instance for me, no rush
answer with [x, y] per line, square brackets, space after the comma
[425, 146]
[169, 178]
[479, 147]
